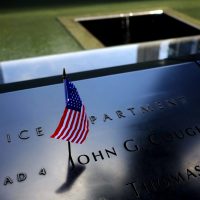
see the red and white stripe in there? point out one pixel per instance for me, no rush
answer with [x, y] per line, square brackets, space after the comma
[73, 126]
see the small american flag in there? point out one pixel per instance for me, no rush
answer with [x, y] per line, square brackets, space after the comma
[74, 125]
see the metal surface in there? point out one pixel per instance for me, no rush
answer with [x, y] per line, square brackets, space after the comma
[47, 66]
[143, 141]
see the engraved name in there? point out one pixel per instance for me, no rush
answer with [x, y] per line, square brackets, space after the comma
[156, 138]
[159, 184]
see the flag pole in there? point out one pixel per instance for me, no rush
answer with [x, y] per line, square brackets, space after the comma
[69, 144]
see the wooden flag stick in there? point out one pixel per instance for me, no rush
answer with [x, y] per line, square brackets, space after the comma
[70, 155]
[69, 144]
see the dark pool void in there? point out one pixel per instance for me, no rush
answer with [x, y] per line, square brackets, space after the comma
[140, 28]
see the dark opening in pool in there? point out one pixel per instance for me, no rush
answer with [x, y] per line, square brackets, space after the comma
[140, 28]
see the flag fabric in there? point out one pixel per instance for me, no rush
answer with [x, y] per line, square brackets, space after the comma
[74, 125]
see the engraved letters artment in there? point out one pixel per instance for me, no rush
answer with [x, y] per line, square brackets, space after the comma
[156, 106]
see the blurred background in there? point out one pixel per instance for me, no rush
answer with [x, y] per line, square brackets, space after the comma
[31, 28]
